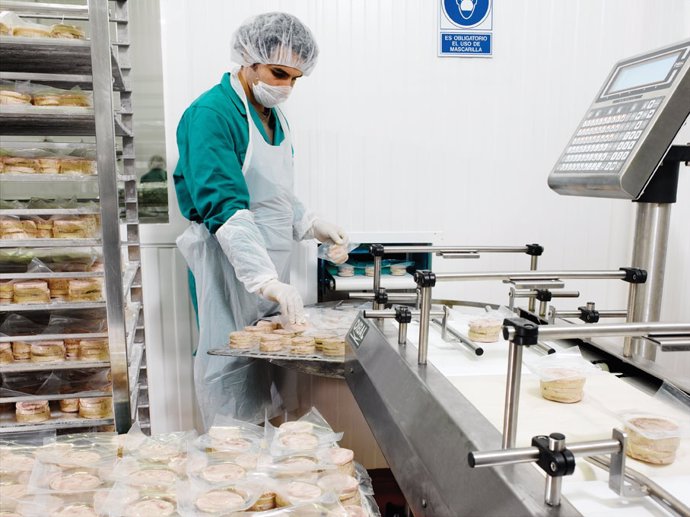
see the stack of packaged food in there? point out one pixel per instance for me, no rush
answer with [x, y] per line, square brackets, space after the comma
[296, 469]
[13, 25]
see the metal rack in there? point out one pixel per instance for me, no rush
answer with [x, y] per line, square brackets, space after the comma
[101, 64]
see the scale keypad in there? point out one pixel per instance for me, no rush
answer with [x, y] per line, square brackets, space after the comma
[607, 136]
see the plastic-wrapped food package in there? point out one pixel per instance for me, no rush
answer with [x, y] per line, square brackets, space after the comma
[562, 376]
[203, 499]
[655, 436]
[18, 260]
[48, 96]
[229, 441]
[309, 433]
[13, 25]
[335, 253]
[338, 458]
[15, 93]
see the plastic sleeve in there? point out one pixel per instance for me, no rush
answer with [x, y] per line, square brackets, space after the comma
[244, 246]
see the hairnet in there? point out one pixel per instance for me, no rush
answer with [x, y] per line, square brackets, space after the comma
[275, 39]
[157, 162]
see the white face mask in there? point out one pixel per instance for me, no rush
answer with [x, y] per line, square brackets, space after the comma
[268, 95]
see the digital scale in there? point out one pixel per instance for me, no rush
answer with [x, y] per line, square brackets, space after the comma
[629, 127]
[623, 149]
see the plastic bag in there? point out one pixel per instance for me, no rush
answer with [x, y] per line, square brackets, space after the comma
[19, 325]
[332, 252]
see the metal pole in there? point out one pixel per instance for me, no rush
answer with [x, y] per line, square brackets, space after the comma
[107, 187]
[454, 249]
[609, 329]
[649, 253]
[552, 495]
[529, 454]
[477, 350]
[402, 333]
[532, 275]
[424, 317]
[390, 314]
[512, 399]
[377, 273]
[532, 267]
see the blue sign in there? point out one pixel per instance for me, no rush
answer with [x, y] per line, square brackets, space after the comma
[474, 43]
[467, 13]
[465, 28]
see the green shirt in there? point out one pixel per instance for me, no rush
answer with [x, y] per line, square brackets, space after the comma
[212, 139]
[155, 176]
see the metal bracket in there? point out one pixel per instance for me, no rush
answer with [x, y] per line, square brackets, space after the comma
[556, 460]
[535, 250]
[380, 298]
[588, 313]
[403, 316]
[526, 332]
[634, 275]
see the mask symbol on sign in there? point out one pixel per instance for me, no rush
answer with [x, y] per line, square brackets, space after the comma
[466, 8]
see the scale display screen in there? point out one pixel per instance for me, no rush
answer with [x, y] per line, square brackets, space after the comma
[628, 128]
[648, 72]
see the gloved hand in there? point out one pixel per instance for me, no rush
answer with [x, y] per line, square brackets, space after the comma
[328, 233]
[289, 299]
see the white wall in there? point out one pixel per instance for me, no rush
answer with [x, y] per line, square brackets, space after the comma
[390, 137]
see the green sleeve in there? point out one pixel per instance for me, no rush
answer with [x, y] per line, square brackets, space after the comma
[212, 170]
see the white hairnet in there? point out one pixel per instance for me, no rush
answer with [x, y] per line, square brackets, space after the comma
[275, 39]
[157, 162]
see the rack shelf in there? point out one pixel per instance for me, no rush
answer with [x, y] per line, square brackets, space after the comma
[59, 420]
[47, 178]
[44, 367]
[23, 307]
[48, 243]
[57, 396]
[48, 211]
[52, 56]
[48, 120]
[93, 65]
[43, 276]
[49, 337]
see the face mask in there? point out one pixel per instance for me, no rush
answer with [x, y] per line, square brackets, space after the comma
[268, 95]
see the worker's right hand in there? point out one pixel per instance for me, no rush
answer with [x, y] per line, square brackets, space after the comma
[288, 297]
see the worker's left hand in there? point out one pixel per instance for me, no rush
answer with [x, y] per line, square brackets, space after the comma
[329, 233]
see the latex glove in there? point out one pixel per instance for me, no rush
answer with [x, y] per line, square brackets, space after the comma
[289, 299]
[328, 233]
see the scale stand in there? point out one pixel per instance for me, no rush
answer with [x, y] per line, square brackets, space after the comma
[650, 245]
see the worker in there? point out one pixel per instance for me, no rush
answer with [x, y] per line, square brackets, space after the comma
[234, 182]
[156, 172]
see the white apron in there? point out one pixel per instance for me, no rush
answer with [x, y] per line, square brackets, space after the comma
[242, 388]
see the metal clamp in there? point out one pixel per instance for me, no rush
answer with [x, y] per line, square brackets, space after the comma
[403, 316]
[634, 275]
[556, 459]
[380, 299]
